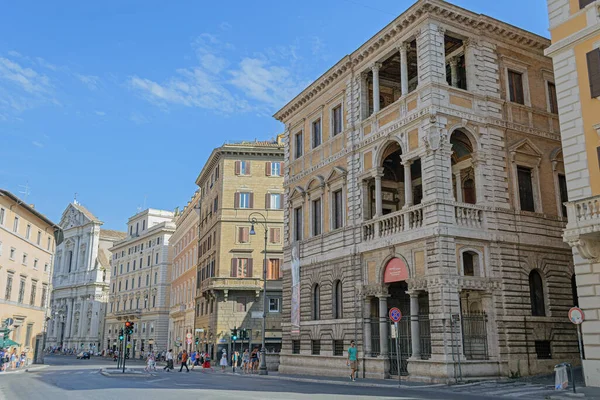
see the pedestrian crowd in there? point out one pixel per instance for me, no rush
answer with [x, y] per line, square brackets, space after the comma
[10, 359]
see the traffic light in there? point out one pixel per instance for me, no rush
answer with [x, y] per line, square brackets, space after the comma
[197, 341]
[234, 334]
[121, 337]
[244, 334]
[128, 327]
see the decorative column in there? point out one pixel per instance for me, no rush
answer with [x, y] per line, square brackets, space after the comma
[478, 163]
[383, 325]
[454, 72]
[408, 197]
[458, 183]
[378, 197]
[471, 64]
[69, 319]
[376, 105]
[431, 53]
[414, 324]
[403, 68]
[364, 96]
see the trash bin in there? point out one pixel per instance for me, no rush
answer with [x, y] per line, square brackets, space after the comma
[561, 378]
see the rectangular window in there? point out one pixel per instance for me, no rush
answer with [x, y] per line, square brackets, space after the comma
[336, 117]
[13, 252]
[215, 204]
[299, 144]
[240, 304]
[244, 200]
[274, 305]
[316, 217]
[16, 224]
[273, 168]
[243, 167]
[315, 347]
[45, 267]
[525, 189]
[316, 133]
[28, 231]
[273, 268]
[28, 334]
[338, 347]
[49, 243]
[2, 212]
[298, 223]
[156, 259]
[552, 98]
[21, 291]
[295, 346]
[273, 201]
[338, 209]
[562, 187]
[44, 295]
[584, 3]
[243, 234]
[149, 260]
[241, 267]
[35, 263]
[275, 235]
[543, 349]
[9, 284]
[593, 64]
[24, 259]
[39, 238]
[515, 87]
[33, 293]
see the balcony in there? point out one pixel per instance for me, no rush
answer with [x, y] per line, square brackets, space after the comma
[583, 229]
[219, 283]
[128, 314]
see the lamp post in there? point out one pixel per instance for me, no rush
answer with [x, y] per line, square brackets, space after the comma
[263, 359]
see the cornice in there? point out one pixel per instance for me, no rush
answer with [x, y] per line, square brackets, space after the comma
[437, 9]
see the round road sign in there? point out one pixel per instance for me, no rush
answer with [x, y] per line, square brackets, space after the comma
[395, 314]
[189, 335]
[576, 315]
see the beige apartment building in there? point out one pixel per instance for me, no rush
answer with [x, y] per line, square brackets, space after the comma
[26, 250]
[424, 171]
[139, 283]
[575, 50]
[184, 247]
[240, 181]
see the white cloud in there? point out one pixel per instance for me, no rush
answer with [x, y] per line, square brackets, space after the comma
[257, 83]
[225, 26]
[25, 78]
[37, 144]
[138, 118]
[91, 81]
[100, 113]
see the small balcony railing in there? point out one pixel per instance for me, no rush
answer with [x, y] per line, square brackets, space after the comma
[587, 210]
[469, 215]
[399, 221]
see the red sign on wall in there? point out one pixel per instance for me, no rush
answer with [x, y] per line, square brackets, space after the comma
[395, 271]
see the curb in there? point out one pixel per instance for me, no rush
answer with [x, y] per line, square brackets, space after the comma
[343, 383]
[28, 369]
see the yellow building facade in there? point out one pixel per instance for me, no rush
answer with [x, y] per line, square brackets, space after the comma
[26, 251]
[575, 51]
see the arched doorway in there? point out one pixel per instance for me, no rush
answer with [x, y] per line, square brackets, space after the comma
[395, 276]
[463, 171]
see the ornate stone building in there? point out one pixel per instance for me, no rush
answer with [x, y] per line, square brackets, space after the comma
[424, 171]
[139, 284]
[239, 181]
[80, 280]
[184, 247]
[575, 50]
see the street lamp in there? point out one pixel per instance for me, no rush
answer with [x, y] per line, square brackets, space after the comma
[263, 359]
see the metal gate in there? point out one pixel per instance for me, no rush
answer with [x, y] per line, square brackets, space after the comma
[474, 330]
[404, 341]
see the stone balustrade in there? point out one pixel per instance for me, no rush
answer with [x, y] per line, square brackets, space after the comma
[399, 221]
[469, 215]
[587, 209]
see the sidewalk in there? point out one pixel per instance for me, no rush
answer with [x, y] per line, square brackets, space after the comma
[31, 368]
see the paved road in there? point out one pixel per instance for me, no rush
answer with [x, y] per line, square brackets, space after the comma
[67, 378]
[71, 379]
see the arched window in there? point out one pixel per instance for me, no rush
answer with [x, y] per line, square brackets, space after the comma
[536, 293]
[574, 291]
[70, 259]
[338, 305]
[316, 303]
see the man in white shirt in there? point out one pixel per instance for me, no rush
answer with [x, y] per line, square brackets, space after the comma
[169, 359]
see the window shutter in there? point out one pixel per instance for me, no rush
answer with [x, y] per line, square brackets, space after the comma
[272, 235]
[251, 201]
[277, 235]
[249, 273]
[248, 167]
[246, 233]
[268, 168]
[268, 201]
[280, 268]
[237, 167]
[593, 63]
[237, 200]
[234, 267]
[241, 235]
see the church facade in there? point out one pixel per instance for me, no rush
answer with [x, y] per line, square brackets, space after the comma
[80, 281]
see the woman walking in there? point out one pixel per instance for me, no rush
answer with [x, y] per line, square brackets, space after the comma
[169, 358]
[223, 362]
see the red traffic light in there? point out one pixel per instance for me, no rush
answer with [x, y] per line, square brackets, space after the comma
[128, 324]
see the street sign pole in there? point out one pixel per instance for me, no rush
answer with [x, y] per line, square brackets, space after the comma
[398, 355]
[576, 316]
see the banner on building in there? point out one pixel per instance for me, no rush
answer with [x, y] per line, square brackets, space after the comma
[295, 303]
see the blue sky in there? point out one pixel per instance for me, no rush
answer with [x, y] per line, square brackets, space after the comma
[122, 101]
